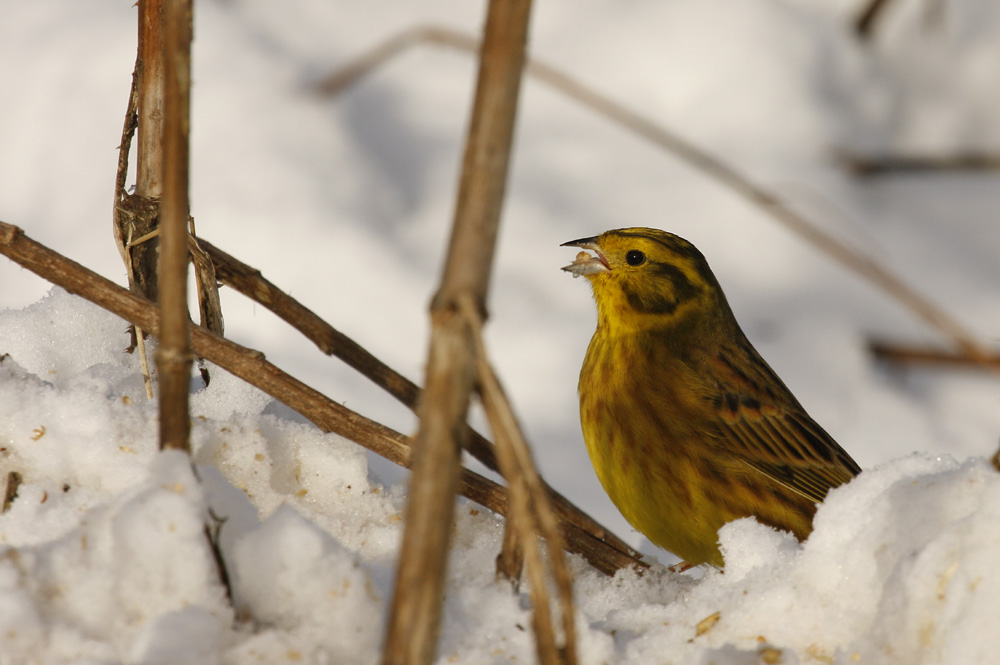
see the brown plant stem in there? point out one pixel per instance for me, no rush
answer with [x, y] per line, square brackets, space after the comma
[129, 214]
[531, 515]
[879, 165]
[902, 354]
[142, 207]
[173, 357]
[414, 619]
[250, 365]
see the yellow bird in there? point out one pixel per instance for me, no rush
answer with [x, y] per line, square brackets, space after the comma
[686, 425]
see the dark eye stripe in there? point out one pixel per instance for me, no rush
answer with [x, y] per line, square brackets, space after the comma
[681, 286]
[661, 300]
[649, 303]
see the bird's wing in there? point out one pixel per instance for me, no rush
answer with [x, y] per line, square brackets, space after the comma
[785, 444]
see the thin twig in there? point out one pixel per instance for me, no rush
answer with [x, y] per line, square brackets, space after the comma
[530, 510]
[123, 215]
[119, 229]
[870, 166]
[138, 334]
[853, 259]
[414, 619]
[250, 282]
[212, 536]
[207, 290]
[902, 354]
[209, 303]
[344, 77]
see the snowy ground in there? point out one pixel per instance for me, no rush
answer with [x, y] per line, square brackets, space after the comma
[102, 556]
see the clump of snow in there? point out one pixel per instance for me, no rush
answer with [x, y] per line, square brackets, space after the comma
[291, 575]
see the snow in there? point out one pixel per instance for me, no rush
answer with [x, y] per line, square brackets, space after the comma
[346, 204]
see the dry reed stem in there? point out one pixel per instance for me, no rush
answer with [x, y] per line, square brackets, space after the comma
[123, 232]
[853, 259]
[173, 357]
[414, 620]
[152, 89]
[142, 207]
[419, 589]
[139, 335]
[209, 303]
[531, 514]
[124, 214]
[510, 560]
[136, 216]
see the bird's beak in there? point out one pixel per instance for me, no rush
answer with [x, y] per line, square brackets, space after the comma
[585, 264]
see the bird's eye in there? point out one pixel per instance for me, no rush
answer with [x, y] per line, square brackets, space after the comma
[635, 258]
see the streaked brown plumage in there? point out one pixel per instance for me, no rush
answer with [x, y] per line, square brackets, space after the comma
[686, 425]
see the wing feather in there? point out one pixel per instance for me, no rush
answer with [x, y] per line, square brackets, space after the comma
[787, 446]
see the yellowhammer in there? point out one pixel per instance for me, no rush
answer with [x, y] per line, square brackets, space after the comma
[686, 425]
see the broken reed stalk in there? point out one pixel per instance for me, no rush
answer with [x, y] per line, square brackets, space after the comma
[853, 259]
[124, 215]
[250, 282]
[583, 536]
[142, 207]
[136, 216]
[414, 619]
[209, 302]
[173, 357]
[531, 515]
[510, 560]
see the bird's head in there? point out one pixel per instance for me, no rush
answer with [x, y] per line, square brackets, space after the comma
[645, 277]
